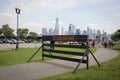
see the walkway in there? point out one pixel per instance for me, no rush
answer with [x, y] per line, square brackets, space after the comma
[37, 70]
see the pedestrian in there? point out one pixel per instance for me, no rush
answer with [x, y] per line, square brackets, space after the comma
[52, 45]
[105, 44]
[88, 43]
[93, 43]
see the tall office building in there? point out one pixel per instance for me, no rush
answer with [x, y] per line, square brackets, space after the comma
[51, 31]
[77, 32]
[84, 32]
[89, 33]
[71, 30]
[56, 27]
[98, 33]
[94, 34]
[44, 31]
[109, 36]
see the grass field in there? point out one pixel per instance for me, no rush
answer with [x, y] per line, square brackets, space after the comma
[11, 57]
[110, 70]
[20, 56]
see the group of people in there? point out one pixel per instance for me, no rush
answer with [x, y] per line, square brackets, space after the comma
[98, 44]
[90, 43]
[109, 43]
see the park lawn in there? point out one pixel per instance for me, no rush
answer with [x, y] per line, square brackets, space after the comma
[20, 56]
[110, 70]
[11, 57]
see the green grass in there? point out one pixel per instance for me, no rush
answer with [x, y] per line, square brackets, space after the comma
[11, 57]
[20, 56]
[110, 70]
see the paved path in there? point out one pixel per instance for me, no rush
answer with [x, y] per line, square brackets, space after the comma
[36, 70]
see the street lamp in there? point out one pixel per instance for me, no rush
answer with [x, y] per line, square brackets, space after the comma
[17, 9]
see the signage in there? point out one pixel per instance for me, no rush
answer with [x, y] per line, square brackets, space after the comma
[80, 38]
[63, 38]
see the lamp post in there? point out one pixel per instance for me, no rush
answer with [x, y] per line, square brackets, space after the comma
[17, 9]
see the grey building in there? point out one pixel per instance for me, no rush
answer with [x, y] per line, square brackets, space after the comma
[44, 31]
[56, 27]
[77, 32]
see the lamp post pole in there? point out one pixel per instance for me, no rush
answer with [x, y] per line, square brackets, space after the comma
[17, 9]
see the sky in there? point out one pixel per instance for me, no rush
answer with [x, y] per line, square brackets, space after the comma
[38, 14]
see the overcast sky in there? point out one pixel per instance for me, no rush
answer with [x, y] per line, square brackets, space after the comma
[36, 14]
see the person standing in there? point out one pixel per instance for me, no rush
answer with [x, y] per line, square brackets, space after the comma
[52, 45]
[105, 44]
[93, 43]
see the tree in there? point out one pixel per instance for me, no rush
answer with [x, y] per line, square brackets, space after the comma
[33, 35]
[116, 35]
[0, 31]
[7, 31]
[22, 33]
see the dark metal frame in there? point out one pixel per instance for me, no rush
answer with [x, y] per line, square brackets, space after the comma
[80, 38]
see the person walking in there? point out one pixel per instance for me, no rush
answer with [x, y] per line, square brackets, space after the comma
[52, 45]
[93, 43]
[105, 44]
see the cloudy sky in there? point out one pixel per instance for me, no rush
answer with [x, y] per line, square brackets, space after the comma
[36, 14]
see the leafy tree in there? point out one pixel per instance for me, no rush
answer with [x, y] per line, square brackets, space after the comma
[33, 35]
[22, 33]
[116, 35]
[0, 31]
[7, 31]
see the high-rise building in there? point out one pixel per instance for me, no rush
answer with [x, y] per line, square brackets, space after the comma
[94, 34]
[44, 31]
[77, 32]
[56, 27]
[105, 34]
[109, 36]
[89, 33]
[98, 33]
[71, 30]
[84, 32]
[51, 31]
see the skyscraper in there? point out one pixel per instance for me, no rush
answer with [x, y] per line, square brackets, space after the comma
[71, 30]
[44, 31]
[94, 34]
[98, 33]
[88, 31]
[84, 32]
[56, 27]
[51, 31]
[77, 32]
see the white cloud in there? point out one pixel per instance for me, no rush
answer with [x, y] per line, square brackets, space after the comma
[112, 7]
[7, 18]
[6, 15]
[40, 5]
[90, 2]
[33, 26]
[37, 5]
[116, 14]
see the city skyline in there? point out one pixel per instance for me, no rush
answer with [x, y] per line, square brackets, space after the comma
[96, 14]
[72, 30]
